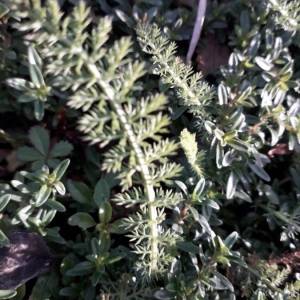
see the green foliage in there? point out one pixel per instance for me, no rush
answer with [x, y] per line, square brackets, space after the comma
[7, 294]
[35, 90]
[134, 215]
[190, 148]
[232, 138]
[42, 154]
[287, 13]
[39, 199]
[118, 118]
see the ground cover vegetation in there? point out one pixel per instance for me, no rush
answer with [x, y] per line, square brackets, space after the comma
[126, 173]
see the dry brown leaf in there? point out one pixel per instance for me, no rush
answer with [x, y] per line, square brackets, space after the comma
[12, 162]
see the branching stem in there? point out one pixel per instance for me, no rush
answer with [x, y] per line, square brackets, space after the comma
[177, 79]
[149, 189]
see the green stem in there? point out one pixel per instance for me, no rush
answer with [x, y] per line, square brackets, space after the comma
[179, 82]
[144, 170]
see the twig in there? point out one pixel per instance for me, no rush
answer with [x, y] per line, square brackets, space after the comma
[197, 30]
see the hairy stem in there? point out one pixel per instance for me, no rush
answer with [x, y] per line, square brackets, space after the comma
[144, 170]
[179, 82]
[149, 189]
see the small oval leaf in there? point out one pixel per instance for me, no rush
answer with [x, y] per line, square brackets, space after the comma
[7, 294]
[4, 199]
[43, 195]
[258, 170]
[101, 192]
[83, 220]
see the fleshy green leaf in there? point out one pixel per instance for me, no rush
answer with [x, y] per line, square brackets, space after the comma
[219, 154]
[262, 63]
[178, 112]
[36, 76]
[43, 195]
[164, 295]
[212, 204]
[210, 126]
[115, 257]
[101, 192]
[203, 222]
[20, 84]
[11, 54]
[182, 186]
[7, 294]
[4, 199]
[42, 288]
[231, 184]
[238, 145]
[188, 247]
[231, 239]
[116, 227]
[83, 220]
[194, 213]
[82, 268]
[60, 170]
[59, 187]
[56, 205]
[54, 236]
[80, 191]
[34, 58]
[104, 242]
[272, 196]
[258, 170]
[254, 45]
[225, 282]
[4, 241]
[242, 195]
[105, 212]
[222, 95]
[27, 97]
[69, 292]
[199, 188]
[3, 10]
[39, 110]
[95, 278]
